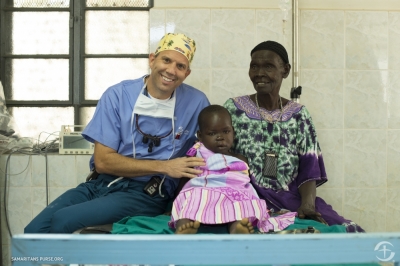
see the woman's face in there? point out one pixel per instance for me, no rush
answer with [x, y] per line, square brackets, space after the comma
[267, 70]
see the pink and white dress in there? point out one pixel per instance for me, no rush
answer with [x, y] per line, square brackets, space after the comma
[222, 193]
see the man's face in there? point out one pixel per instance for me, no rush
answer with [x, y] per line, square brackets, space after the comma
[168, 70]
[267, 70]
[217, 133]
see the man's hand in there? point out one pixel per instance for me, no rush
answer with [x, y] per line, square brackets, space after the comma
[183, 167]
[108, 161]
[307, 211]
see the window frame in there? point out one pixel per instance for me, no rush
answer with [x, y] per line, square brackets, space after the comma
[77, 13]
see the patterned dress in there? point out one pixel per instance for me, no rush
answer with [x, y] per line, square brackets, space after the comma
[293, 138]
[223, 194]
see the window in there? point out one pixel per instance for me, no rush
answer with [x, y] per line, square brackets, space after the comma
[59, 56]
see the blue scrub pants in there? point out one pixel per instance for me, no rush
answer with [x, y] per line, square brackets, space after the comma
[93, 203]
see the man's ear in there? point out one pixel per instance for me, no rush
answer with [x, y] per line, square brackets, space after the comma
[152, 58]
[188, 71]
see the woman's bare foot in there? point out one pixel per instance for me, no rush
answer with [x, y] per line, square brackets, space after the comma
[186, 226]
[241, 227]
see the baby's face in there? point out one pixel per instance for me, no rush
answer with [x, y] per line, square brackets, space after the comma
[217, 133]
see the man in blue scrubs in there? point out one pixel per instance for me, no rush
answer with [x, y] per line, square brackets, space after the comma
[142, 129]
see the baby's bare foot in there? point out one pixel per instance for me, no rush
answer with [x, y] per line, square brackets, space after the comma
[186, 226]
[241, 227]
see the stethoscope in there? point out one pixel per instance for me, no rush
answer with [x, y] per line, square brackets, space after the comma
[152, 140]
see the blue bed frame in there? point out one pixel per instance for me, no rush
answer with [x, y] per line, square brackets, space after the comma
[206, 249]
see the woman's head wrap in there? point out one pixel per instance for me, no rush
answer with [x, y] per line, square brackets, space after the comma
[274, 47]
[177, 42]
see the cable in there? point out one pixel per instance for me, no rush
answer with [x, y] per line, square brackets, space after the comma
[26, 151]
[47, 178]
[39, 148]
[45, 149]
[50, 134]
[5, 201]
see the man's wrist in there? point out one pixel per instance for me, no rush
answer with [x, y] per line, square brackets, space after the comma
[160, 167]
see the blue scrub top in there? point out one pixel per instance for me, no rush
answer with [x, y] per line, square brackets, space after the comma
[111, 124]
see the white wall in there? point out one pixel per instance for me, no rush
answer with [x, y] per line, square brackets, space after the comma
[349, 70]
[26, 188]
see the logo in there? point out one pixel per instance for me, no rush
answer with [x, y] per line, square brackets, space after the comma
[385, 253]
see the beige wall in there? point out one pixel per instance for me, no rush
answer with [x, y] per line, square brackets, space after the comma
[386, 5]
[26, 188]
[349, 69]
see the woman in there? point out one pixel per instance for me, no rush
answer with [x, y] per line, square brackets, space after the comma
[279, 140]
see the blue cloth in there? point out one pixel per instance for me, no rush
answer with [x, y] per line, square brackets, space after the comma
[93, 203]
[159, 225]
[111, 124]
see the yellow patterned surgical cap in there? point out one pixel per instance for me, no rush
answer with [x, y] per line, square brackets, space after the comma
[177, 42]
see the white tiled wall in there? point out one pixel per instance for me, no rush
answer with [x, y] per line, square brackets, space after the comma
[350, 74]
[220, 66]
[26, 188]
[349, 71]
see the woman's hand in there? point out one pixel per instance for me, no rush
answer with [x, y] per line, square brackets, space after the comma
[307, 211]
[307, 208]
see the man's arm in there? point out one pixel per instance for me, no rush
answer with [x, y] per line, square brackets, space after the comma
[108, 161]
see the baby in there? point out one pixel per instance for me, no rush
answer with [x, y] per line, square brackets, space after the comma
[222, 194]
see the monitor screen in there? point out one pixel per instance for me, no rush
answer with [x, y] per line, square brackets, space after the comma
[75, 142]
